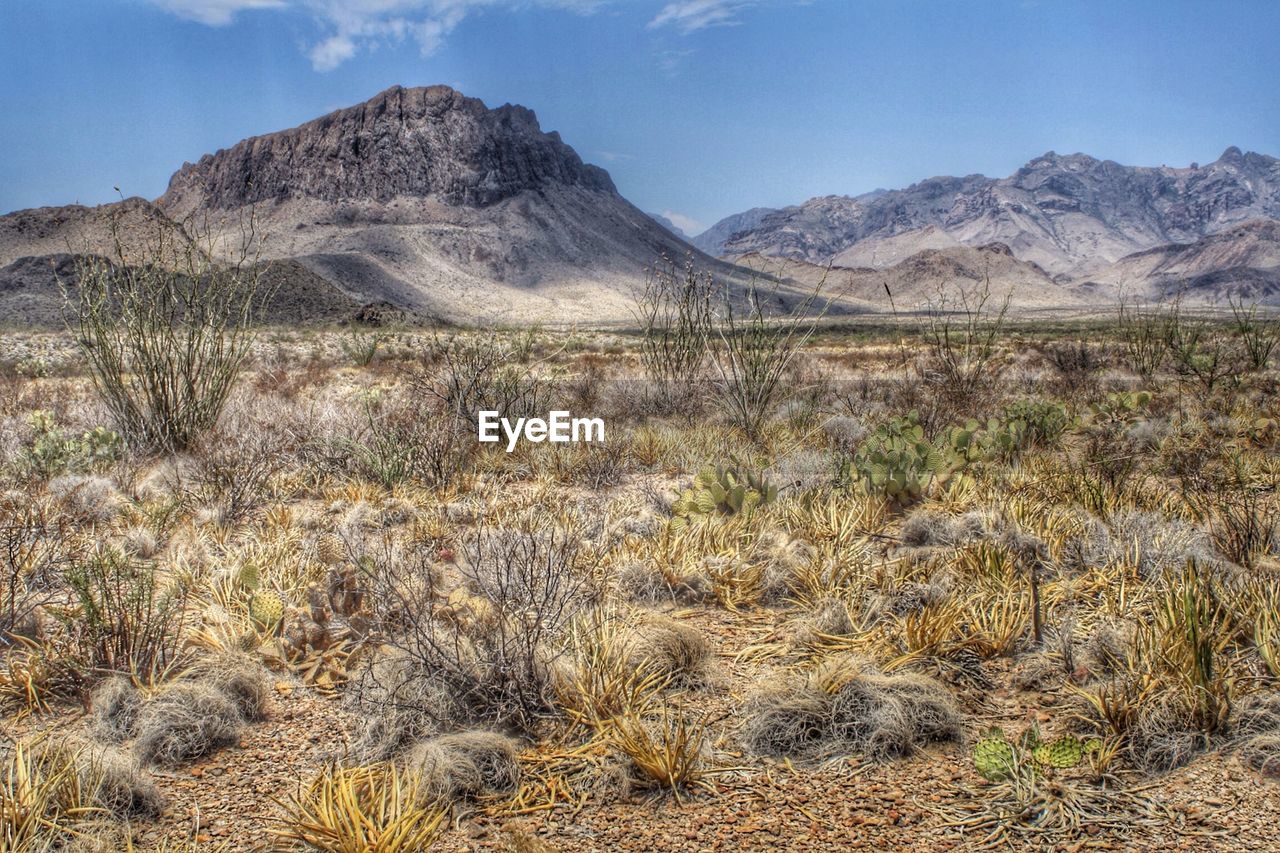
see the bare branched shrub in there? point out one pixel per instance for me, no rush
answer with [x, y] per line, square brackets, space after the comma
[676, 317]
[34, 553]
[232, 465]
[166, 327]
[963, 335]
[479, 371]
[402, 440]
[1259, 335]
[752, 347]
[489, 661]
[1145, 334]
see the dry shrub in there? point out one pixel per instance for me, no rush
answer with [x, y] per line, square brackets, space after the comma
[185, 721]
[847, 706]
[666, 649]
[123, 789]
[1262, 753]
[115, 704]
[466, 764]
[398, 703]
[1257, 713]
[238, 677]
[446, 673]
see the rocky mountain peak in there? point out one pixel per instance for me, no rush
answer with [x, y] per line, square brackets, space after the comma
[429, 142]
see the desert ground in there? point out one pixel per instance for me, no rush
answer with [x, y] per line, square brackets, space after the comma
[960, 581]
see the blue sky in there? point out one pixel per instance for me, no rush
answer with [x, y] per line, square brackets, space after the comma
[698, 108]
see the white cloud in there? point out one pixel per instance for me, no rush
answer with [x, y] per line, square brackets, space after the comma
[215, 13]
[690, 15]
[687, 224]
[356, 24]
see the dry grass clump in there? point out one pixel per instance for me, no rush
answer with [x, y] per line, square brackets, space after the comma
[1257, 713]
[639, 582]
[115, 704]
[846, 706]
[465, 765]
[1262, 753]
[665, 648]
[238, 677]
[185, 721]
[88, 499]
[122, 787]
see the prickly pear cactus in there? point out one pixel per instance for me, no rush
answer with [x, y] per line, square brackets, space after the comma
[1063, 752]
[248, 576]
[994, 756]
[266, 608]
[899, 464]
[721, 490]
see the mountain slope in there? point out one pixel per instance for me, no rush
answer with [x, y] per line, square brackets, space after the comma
[1242, 262]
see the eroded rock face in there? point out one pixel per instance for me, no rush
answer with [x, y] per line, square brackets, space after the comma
[430, 142]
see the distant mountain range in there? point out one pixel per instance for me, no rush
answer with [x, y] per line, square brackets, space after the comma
[1091, 226]
[432, 204]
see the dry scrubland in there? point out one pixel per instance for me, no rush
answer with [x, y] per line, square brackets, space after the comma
[951, 583]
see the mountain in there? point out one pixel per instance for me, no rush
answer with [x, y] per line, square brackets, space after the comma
[1072, 215]
[713, 240]
[429, 200]
[421, 198]
[669, 225]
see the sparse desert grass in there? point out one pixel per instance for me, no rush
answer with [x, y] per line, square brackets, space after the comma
[1089, 524]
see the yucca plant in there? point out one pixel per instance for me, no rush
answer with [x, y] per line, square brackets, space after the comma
[603, 683]
[666, 749]
[1189, 638]
[43, 796]
[369, 809]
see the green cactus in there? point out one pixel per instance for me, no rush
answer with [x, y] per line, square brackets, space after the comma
[994, 757]
[722, 490]
[899, 464]
[267, 609]
[1065, 751]
[248, 577]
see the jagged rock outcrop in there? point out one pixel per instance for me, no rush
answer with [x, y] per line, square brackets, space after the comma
[430, 142]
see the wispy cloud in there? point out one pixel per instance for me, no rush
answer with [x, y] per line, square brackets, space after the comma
[215, 13]
[354, 25]
[691, 15]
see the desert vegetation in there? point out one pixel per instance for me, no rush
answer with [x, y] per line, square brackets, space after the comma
[959, 577]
